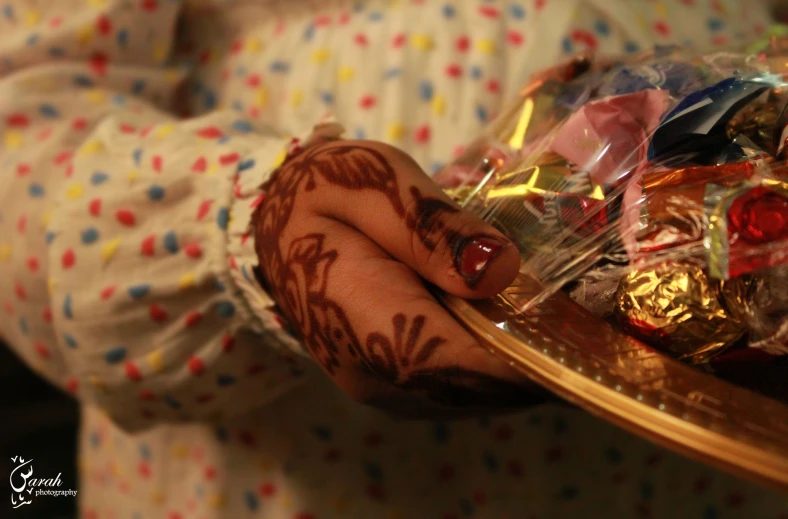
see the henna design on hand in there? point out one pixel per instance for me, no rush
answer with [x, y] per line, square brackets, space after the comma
[298, 278]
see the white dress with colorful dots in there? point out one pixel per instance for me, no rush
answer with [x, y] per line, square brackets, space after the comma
[126, 262]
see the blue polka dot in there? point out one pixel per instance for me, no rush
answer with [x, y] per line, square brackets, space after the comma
[209, 100]
[89, 236]
[222, 218]
[323, 432]
[559, 425]
[246, 164]
[240, 71]
[517, 11]
[602, 27]
[23, 326]
[170, 401]
[237, 105]
[225, 380]
[309, 33]
[476, 72]
[466, 507]
[392, 73]
[67, 307]
[137, 156]
[566, 45]
[225, 309]
[242, 126]
[118, 100]
[646, 490]
[481, 113]
[122, 37]
[115, 355]
[279, 66]
[199, 490]
[490, 461]
[8, 11]
[441, 433]
[138, 291]
[448, 11]
[425, 90]
[94, 439]
[57, 52]
[83, 81]
[614, 455]
[145, 452]
[358, 7]
[223, 139]
[138, 87]
[156, 193]
[360, 133]
[222, 435]
[569, 492]
[375, 16]
[50, 237]
[373, 471]
[36, 190]
[327, 97]
[251, 501]
[48, 111]
[631, 47]
[710, 513]
[98, 178]
[437, 166]
[32, 39]
[70, 341]
[715, 24]
[171, 242]
[220, 286]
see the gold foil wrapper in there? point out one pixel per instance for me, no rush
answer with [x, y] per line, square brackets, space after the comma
[677, 308]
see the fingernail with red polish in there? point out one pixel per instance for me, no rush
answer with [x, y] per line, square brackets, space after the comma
[475, 256]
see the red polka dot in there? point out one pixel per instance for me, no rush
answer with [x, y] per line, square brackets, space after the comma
[373, 439]
[46, 315]
[514, 468]
[368, 101]
[463, 43]
[322, 21]
[148, 245]
[422, 134]
[68, 259]
[55, 22]
[17, 120]
[344, 18]
[266, 489]
[236, 47]
[398, 41]
[196, 366]
[489, 11]
[132, 371]
[719, 39]
[41, 350]
[104, 25]
[200, 165]
[44, 134]
[332, 456]
[107, 292]
[99, 62]
[229, 158]
[193, 250]
[157, 313]
[22, 169]
[145, 131]
[174, 515]
[94, 207]
[125, 217]
[247, 438]
[228, 343]
[147, 394]
[375, 491]
[361, 39]
[586, 38]
[661, 28]
[9, 308]
[144, 469]
[62, 157]
[493, 86]
[446, 472]
[21, 223]
[127, 128]
[210, 472]
[454, 70]
[209, 132]
[32, 264]
[540, 4]
[72, 385]
[150, 5]
[204, 398]
[157, 163]
[204, 209]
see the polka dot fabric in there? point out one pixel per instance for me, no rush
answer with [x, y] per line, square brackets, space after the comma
[126, 263]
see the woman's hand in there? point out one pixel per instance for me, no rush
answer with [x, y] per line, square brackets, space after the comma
[346, 235]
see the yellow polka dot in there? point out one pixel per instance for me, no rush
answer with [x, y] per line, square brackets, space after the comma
[216, 501]
[109, 249]
[46, 217]
[209, 56]
[297, 97]
[320, 56]
[438, 105]
[395, 131]
[95, 3]
[643, 22]
[164, 130]
[97, 383]
[51, 285]
[155, 360]
[74, 192]
[132, 176]
[280, 158]
[179, 452]
[422, 41]
[265, 465]
[160, 51]
[261, 97]
[85, 34]
[96, 96]
[91, 147]
[13, 139]
[32, 17]
[157, 497]
[173, 76]
[186, 281]
[5, 252]
[486, 46]
[660, 9]
[254, 45]
[346, 73]
[286, 500]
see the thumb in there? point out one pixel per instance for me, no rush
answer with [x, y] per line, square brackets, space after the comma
[383, 193]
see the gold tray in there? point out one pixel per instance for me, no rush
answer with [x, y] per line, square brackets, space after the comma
[602, 370]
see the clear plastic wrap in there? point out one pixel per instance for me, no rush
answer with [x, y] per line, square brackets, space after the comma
[652, 191]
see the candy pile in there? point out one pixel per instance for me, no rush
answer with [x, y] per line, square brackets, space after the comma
[654, 191]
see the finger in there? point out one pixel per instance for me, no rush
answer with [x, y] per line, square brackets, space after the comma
[368, 314]
[382, 192]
